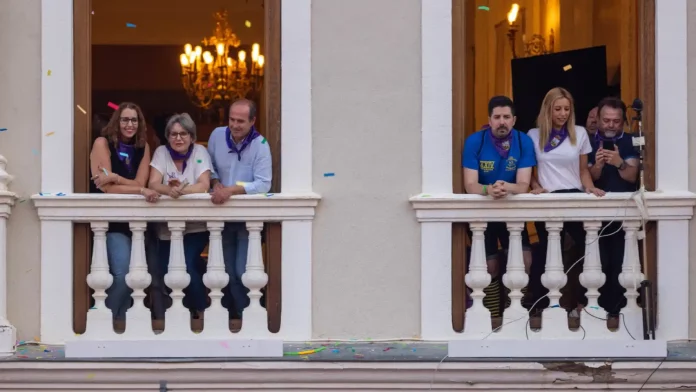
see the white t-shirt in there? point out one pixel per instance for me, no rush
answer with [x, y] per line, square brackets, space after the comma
[560, 168]
[197, 164]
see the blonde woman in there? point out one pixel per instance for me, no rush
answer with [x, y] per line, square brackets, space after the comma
[562, 150]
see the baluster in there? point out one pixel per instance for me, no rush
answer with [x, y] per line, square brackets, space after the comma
[631, 278]
[8, 333]
[99, 317]
[515, 279]
[215, 278]
[255, 322]
[138, 318]
[478, 317]
[554, 319]
[592, 278]
[177, 318]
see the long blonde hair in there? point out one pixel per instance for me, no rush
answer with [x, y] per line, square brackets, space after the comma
[545, 119]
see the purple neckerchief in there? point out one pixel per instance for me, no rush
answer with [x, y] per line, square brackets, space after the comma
[247, 141]
[556, 137]
[125, 154]
[501, 145]
[177, 156]
[599, 137]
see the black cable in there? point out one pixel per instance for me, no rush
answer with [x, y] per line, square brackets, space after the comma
[621, 315]
[651, 374]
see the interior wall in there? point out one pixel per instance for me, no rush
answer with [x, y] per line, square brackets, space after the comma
[366, 130]
[691, 94]
[20, 113]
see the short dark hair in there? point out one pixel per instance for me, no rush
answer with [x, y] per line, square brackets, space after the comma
[249, 103]
[500, 101]
[614, 103]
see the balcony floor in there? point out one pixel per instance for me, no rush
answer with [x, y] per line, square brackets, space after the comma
[338, 352]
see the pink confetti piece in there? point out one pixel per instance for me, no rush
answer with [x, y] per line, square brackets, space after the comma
[224, 344]
[112, 105]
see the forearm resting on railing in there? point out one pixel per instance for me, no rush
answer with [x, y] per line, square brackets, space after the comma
[123, 189]
[475, 189]
[518, 188]
[198, 187]
[160, 188]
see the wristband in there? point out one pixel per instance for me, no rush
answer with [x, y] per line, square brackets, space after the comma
[485, 190]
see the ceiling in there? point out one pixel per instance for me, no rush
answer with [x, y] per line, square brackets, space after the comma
[172, 22]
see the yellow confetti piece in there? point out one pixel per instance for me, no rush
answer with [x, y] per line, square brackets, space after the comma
[90, 375]
[241, 183]
[247, 23]
[567, 67]
[82, 110]
[50, 134]
[49, 72]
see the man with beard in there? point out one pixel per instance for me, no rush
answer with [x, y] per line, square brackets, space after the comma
[614, 168]
[241, 159]
[497, 162]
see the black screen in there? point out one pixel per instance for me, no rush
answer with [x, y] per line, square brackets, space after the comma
[533, 77]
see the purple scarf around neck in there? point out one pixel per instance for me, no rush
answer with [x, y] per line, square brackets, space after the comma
[501, 145]
[247, 141]
[599, 137]
[556, 137]
[177, 156]
[126, 152]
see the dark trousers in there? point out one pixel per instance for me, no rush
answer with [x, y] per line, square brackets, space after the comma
[611, 251]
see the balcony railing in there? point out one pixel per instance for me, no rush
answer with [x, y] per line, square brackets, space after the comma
[8, 333]
[57, 213]
[437, 213]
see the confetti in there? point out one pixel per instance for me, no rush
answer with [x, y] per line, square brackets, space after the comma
[61, 194]
[82, 110]
[48, 73]
[112, 105]
[567, 67]
[50, 134]
[269, 194]
[484, 8]
[306, 352]
[224, 344]
[263, 141]
[3, 129]
[199, 161]
[123, 154]
[241, 183]
[426, 196]
[130, 25]
[329, 174]
[247, 23]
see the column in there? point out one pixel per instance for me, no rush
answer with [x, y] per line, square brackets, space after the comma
[592, 278]
[515, 279]
[215, 278]
[138, 317]
[255, 324]
[555, 318]
[478, 317]
[99, 317]
[177, 318]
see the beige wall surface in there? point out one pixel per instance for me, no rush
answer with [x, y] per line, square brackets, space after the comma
[691, 93]
[366, 113]
[20, 113]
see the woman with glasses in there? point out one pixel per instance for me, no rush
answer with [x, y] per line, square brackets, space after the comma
[119, 163]
[182, 167]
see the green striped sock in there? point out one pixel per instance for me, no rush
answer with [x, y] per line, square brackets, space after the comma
[492, 298]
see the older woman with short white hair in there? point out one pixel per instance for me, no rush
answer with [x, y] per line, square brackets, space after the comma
[182, 167]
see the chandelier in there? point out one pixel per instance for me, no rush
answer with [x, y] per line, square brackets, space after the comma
[228, 75]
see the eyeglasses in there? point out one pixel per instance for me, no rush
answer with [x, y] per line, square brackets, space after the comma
[176, 135]
[126, 120]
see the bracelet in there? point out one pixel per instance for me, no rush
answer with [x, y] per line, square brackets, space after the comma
[485, 190]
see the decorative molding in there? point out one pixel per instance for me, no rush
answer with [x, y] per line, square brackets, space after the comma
[671, 205]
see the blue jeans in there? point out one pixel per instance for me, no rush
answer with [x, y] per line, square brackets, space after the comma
[118, 250]
[194, 244]
[235, 243]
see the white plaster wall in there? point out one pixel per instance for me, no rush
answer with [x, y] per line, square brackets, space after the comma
[691, 55]
[366, 125]
[20, 113]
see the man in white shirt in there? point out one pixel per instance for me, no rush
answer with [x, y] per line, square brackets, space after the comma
[242, 165]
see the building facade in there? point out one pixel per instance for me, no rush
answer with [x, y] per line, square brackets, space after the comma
[366, 203]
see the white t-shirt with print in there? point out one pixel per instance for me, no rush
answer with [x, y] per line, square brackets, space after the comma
[197, 164]
[560, 168]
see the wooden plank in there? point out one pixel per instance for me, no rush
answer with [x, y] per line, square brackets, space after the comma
[272, 86]
[82, 68]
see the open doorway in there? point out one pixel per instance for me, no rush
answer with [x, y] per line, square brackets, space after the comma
[486, 37]
[134, 51]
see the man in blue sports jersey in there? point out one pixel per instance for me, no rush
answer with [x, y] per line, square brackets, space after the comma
[497, 162]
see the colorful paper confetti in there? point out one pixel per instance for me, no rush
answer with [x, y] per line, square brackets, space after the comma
[247, 23]
[329, 174]
[82, 110]
[3, 129]
[199, 161]
[50, 134]
[263, 141]
[112, 105]
[484, 8]
[48, 73]
[307, 352]
[130, 25]
[567, 67]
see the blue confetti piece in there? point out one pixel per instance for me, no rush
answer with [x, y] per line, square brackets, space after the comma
[269, 194]
[594, 307]
[60, 194]
[123, 154]
[556, 306]
[130, 25]
[329, 174]
[44, 194]
[3, 129]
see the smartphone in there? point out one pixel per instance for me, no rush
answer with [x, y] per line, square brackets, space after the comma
[608, 145]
